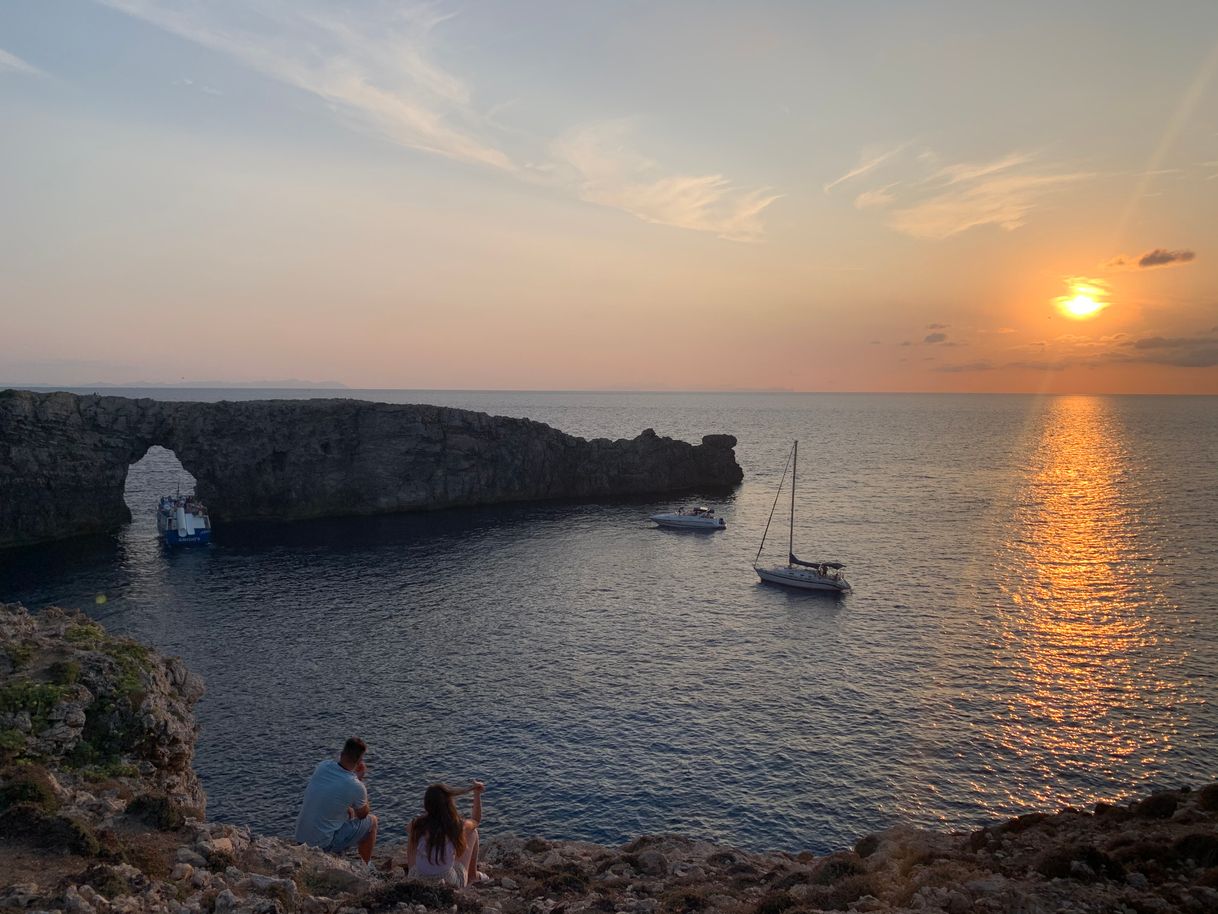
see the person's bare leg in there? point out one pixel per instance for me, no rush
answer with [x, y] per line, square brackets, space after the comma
[471, 875]
[369, 842]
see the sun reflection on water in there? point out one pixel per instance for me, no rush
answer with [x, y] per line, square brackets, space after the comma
[1083, 599]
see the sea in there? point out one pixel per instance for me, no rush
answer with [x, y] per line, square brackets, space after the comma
[1033, 624]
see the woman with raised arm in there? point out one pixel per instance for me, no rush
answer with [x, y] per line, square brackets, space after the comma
[442, 845]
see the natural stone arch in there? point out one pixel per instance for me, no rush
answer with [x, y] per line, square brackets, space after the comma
[64, 459]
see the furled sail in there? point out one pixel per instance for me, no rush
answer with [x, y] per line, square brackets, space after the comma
[795, 561]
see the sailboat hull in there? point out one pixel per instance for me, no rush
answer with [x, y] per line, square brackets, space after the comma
[801, 579]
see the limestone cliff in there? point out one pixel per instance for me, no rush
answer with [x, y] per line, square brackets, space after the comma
[64, 459]
[100, 813]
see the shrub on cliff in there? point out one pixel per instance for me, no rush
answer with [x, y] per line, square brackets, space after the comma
[1157, 806]
[106, 879]
[1199, 848]
[37, 699]
[27, 784]
[30, 824]
[64, 672]
[12, 743]
[392, 894]
[157, 811]
[686, 900]
[1084, 863]
[774, 903]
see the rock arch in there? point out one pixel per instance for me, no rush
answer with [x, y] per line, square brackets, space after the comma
[64, 459]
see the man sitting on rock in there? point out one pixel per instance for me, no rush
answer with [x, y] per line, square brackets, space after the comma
[335, 813]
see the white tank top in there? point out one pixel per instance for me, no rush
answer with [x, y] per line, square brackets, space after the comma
[424, 867]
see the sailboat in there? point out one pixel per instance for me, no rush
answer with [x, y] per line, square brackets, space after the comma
[797, 573]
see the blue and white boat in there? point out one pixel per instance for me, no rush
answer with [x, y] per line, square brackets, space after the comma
[181, 520]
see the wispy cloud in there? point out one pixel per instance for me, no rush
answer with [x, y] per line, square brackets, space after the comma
[376, 66]
[991, 198]
[936, 337]
[966, 172]
[870, 159]
[934, 200]
[11, 63]
[1159, 257]
[879, 197]
[607, 171]
[375, 70]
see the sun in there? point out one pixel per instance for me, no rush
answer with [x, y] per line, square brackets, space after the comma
[1081, 306]
[1085, 300]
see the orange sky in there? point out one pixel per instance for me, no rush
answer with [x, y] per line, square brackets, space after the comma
[665, 196]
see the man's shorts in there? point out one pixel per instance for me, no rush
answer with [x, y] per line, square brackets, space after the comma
[349, 834]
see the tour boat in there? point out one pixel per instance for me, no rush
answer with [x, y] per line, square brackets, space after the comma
[182, 520]
[691, 519]
[798, 573]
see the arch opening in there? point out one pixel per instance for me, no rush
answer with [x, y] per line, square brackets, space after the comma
[159, 472]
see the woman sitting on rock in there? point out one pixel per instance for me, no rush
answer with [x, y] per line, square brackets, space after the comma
[442, 845]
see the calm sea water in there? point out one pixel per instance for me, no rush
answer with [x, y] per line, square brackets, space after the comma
[1034, 623]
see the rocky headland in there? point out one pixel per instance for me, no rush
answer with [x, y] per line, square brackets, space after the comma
[101, 813]
[64, 459]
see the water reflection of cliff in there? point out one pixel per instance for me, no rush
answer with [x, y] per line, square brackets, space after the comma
[1085, 604]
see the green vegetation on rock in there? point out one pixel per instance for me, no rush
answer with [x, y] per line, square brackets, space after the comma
[64, 672]
[11, 741]
[114, 768]
[20, 654]
[133, 664]
[29, 784]
[84, 634]
[36, 698]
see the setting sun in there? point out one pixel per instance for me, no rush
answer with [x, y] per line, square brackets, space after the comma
[1081, 306]
[1084, 300]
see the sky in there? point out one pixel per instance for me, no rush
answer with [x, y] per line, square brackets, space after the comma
[852, 196]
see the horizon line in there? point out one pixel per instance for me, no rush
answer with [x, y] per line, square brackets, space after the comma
[94, 388]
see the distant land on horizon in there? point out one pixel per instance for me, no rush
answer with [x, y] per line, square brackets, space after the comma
[282, 384]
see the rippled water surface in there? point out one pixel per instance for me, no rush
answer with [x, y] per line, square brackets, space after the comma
[1034, 622]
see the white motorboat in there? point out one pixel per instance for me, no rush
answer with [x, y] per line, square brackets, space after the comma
[797, 573]
[699, 518]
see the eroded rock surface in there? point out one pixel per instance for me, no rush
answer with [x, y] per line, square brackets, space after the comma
[101, 813]
[64, 459]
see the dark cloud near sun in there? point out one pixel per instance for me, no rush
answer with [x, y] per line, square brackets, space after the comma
[1177, 351]
[983, 365]
[1199, 351]
[936, 326]
[935, 338]
[1159, 257]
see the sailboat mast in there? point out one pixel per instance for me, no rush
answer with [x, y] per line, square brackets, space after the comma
[791, 529]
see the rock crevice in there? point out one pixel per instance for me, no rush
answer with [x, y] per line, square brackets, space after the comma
[64, 460]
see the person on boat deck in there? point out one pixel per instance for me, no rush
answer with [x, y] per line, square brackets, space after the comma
[335, 814]
[442, 845]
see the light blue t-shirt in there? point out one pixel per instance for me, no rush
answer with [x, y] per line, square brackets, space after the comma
[331, 790]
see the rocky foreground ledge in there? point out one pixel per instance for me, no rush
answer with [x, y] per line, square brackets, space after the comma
[101, 811]
[64, 459]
